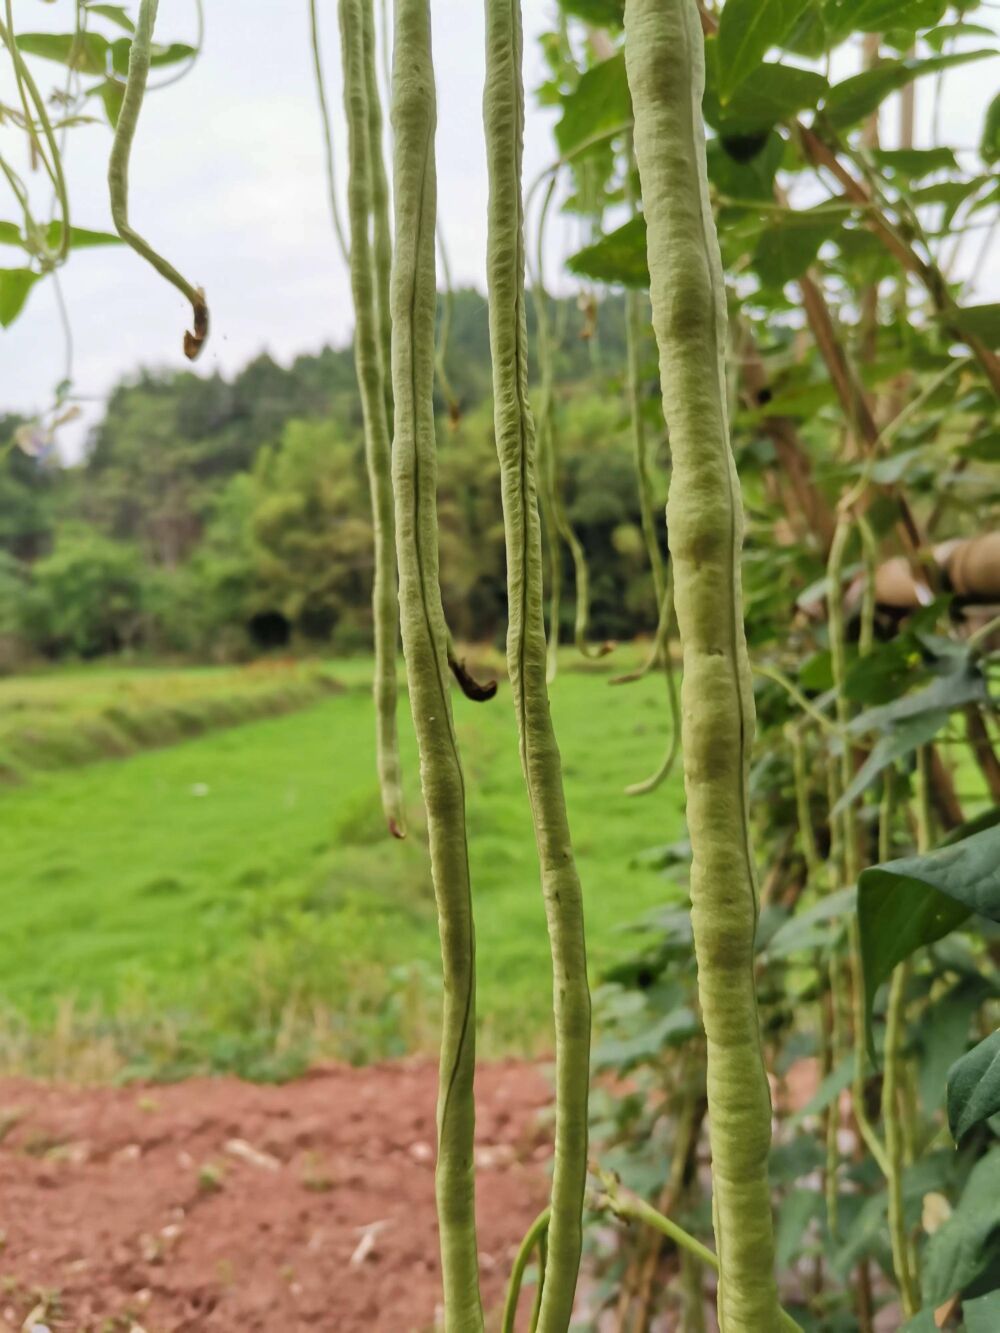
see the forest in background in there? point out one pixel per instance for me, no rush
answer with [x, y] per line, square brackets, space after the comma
[213, 518]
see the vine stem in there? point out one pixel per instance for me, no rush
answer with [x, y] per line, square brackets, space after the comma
[534, 1238]
[630, 1207]
[118, 169]
[848, 833]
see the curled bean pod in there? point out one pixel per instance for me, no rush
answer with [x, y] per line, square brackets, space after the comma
[118, 165]
[479, 691]
[371, 381]
[665, 62]
[425, 644]
[526, 652]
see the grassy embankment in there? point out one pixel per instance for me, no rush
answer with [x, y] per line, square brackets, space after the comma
[232, 901]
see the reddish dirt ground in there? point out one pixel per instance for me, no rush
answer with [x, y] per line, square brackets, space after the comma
[220, 1205]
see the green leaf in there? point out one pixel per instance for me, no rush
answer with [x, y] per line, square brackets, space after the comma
[857, 97]
[602, 13]
[958, 687]
[112, 94]
[847, 16]
[982, 1315]
[798, 1208]
[810, 929]
[599, 102]
[828, 1091]
[770, 94]
[86, 51]
[10, 234]
[747, 29]
[752, 178]
[79, 237]
[916, 900]
[791, 243]
[619, 257]
[623, 1055]
[989, 145]
[979, 321]
[913, 163]
[115, 13]
[159, 55]
[172, 54]
[903, 739]
[957, 1253]
[15, 284]
[974, 1087]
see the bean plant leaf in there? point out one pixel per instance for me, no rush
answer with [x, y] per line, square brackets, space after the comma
[989, 147]
[619, 257]
[602, 13]
[791, 243]
[958, 1251]
[798, 1208]
[919, 899]
[85, 51]
[80, 238]
[847, 16]
[770, 94]
[905, 737]
[913, 163]
[10, 234]
[982, 1315]
[979, 321]
[747, 29]
[963, 684]
[735, 176]
[974, 1087]
[112, 94]
[115, 14]
[856, 98]
[599, 102]
[15, 284]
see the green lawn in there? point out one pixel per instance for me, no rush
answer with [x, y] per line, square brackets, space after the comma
[233, 901]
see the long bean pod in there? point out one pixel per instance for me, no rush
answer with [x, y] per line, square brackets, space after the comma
[329, 161]
[425, 645]
[368, 357]
[118, 166]
[664, 55]
[379, 203]
[504, 123]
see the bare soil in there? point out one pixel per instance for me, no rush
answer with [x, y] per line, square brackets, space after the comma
[220, 1205]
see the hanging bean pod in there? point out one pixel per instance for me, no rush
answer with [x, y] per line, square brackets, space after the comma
[425, 645]
[368, 356]
[526, 653]
[664, 54]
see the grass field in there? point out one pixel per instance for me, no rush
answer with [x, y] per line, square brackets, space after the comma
[232, 901]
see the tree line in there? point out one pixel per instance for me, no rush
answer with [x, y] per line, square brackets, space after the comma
[215, 517]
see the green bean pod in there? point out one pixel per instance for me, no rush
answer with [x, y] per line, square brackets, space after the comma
[371, 382]
[425, 644]
[140, 54]
[664, 54]
[526, 653]
[379, 203]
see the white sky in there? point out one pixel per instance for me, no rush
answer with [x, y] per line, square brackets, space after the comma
[227, 181]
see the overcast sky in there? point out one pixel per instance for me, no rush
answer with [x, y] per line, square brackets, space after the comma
[227, 180]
